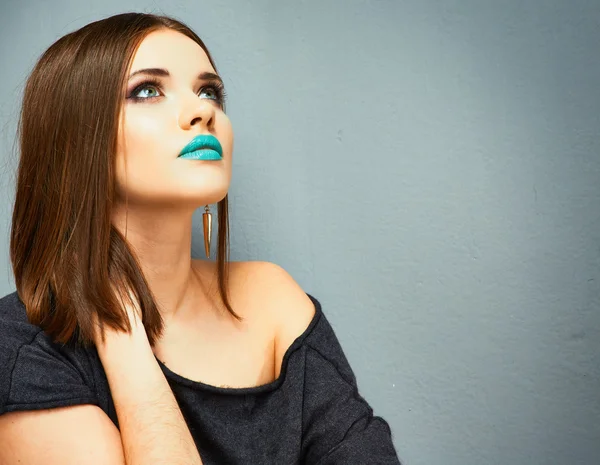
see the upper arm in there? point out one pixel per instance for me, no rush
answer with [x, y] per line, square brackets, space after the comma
[60, 436]
[289, 306]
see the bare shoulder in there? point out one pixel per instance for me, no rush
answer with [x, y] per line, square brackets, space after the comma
[264, 283]
[267, 294]
[274, 289]
[283, 300]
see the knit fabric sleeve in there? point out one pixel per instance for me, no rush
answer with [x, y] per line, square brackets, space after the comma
[338, 424]
[34, 372]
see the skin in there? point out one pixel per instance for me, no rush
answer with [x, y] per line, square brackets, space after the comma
[164, 191]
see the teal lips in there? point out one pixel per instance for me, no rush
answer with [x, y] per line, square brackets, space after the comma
[203, 147]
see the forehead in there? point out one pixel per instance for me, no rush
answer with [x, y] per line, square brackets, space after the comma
[172, 50]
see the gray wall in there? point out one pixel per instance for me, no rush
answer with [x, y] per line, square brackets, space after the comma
[431, 172]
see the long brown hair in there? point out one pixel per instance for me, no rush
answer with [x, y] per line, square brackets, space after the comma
[67, 257]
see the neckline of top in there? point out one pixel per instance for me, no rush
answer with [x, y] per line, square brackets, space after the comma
[261, 389]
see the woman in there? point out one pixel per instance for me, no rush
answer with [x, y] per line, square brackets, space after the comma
[117, 346]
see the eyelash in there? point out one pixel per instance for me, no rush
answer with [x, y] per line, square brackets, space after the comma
[218, 87]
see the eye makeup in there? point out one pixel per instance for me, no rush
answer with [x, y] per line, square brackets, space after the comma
[216, 85]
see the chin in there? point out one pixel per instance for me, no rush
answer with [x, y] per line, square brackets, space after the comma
[213, 196]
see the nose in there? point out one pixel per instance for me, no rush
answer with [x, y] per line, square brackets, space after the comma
[197, 111]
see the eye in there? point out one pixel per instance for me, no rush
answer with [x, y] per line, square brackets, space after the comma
[150, 84]
[213, 91]
[216, 92]
[142, 89]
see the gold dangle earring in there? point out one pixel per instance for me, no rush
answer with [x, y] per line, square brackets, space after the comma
[207, 226]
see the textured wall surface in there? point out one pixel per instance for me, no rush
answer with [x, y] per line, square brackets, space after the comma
[431, 172]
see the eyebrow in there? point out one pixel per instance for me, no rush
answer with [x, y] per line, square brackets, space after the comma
[161, 72]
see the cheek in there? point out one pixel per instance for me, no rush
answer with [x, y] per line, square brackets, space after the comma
[225, 132]
[142, 157]
[144, 140]
[141, 132]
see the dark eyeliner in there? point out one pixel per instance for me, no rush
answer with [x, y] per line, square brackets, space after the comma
[219, 88]
[146, 83]
[221, 92]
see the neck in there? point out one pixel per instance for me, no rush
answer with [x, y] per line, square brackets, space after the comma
[162, 243]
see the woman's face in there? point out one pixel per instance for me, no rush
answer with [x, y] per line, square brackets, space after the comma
[159, 119]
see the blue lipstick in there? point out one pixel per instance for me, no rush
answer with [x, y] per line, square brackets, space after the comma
[203, 147]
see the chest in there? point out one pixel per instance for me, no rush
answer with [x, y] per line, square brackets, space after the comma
[222, 356]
